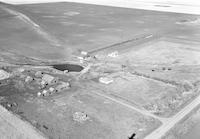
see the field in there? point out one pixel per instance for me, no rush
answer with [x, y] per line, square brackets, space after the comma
[94, 72]
[53, 115]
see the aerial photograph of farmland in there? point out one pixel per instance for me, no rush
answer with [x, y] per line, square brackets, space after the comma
[83, 71]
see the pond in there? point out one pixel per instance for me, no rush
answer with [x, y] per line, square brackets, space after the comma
[69, 67]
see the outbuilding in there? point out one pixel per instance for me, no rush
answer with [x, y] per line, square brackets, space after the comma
[62, 86]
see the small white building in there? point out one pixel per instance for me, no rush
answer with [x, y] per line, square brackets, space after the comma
[4, 74]
[105, 80]
[28, 79]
